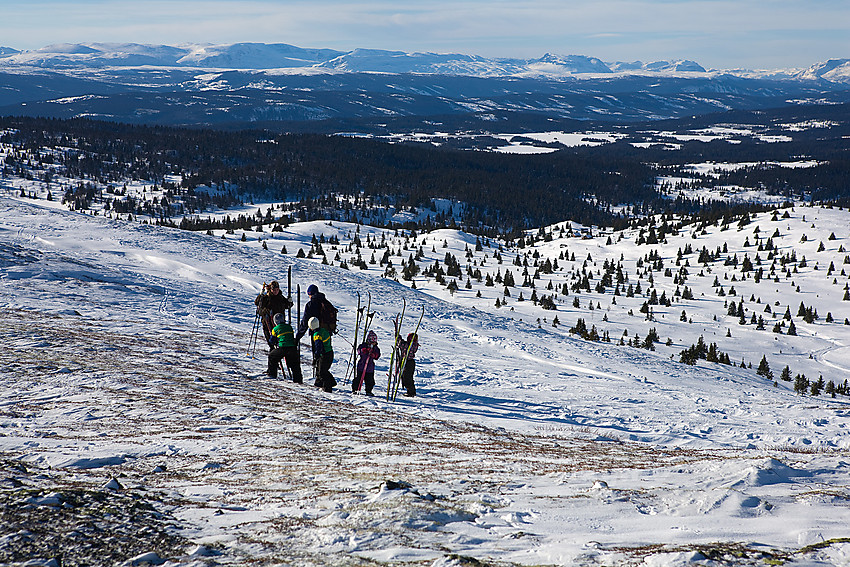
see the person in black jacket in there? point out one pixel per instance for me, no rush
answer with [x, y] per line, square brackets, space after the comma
[313, 308]
[270, 303]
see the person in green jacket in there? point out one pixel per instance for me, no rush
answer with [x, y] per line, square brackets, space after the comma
[323, 355]
[285, 349]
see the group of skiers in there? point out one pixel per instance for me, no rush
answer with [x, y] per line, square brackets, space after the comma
[319, 319]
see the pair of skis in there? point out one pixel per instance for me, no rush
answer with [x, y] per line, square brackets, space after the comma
[363, 318]
[398, 359]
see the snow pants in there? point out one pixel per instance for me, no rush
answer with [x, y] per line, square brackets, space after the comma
[293, 362]
[368, 382]
[407, 377]
[324, 378]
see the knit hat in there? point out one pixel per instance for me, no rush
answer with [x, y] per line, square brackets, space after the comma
[371, 337]
[312, 289]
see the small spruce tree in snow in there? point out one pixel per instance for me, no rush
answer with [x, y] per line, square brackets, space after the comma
[801, 384]
[830, 388]
[764, 369]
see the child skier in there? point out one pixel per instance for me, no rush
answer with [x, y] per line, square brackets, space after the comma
[323, 355]
[284, 349]
[365, 375]
[408, 348]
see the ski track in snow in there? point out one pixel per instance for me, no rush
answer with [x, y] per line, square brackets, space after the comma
[126, 349]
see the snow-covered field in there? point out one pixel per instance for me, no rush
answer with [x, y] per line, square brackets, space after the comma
[134, 422]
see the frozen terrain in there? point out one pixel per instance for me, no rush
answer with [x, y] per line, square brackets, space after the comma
[134, 426]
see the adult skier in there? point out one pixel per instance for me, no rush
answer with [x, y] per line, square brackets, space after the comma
[319, 307]
[268, 305]
[285, 349]
[323, 355]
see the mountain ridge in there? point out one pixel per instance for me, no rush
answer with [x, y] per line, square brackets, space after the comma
[283, 87]
[254, 55]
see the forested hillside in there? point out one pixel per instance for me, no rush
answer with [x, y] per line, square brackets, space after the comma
[504, 191]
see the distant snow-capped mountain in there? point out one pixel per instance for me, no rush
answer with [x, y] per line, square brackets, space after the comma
[244, 56]
[231, 56]
[551, 66]
[836, 70]
[678, 66]
[262, 56]
[255, 56]
[381, 61]
[83, 55]
[558, 65]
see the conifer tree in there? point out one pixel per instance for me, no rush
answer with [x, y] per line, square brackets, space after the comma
[801, 384]
[764, 368]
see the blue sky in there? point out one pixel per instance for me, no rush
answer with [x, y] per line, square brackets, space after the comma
[716, 33]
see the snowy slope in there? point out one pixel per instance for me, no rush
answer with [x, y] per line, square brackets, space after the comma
[126, 360]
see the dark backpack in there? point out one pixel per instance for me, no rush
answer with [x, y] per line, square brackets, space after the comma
[327, 316]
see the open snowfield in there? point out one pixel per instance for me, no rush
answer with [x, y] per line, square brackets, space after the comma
[133, 423]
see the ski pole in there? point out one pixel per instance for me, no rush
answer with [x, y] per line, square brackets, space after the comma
[252, 342]
[289, 293]
[354, 346]
[253, 336]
